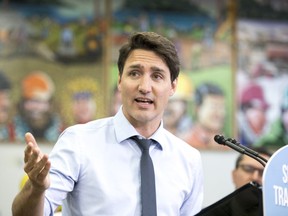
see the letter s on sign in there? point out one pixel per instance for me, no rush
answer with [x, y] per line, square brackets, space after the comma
[285, 173]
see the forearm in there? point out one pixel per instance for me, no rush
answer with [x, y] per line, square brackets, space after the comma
[29, 201]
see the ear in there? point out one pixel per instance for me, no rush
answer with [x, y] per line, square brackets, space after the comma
[118, 83]
[173, 87]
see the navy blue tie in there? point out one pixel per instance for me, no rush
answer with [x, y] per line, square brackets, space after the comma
[148, 193]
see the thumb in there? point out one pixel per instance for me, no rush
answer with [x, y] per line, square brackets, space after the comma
[29, 138]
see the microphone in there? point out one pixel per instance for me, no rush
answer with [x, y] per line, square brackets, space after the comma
[240, 148]
[221, 140]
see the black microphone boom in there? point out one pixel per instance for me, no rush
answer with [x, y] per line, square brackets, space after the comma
[240, 148]
[248, 149]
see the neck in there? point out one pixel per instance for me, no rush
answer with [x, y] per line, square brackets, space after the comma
[146, 130]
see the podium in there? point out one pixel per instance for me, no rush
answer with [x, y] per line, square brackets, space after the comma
[245, 201]
[275, 184]
[250, 200]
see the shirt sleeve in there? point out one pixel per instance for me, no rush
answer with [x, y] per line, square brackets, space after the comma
[64, 171]
[193, 203]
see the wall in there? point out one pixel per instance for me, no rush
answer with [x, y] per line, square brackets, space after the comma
[217, 174]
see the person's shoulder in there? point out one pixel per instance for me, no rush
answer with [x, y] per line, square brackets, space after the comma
[88, 131]
[180, 144]
[91, 125]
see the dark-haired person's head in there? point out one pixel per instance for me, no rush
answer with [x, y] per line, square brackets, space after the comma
[148, 76]
[248, 169]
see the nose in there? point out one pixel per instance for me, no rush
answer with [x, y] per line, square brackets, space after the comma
[145, 84]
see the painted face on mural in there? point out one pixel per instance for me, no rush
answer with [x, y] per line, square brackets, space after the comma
[212, 112]
[37, 113]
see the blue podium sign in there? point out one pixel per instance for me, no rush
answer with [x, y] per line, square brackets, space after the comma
[275, 184]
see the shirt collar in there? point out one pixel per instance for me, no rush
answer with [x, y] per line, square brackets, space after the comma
[124, 130]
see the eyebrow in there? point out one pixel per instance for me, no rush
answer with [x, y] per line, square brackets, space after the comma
[154, 68]
[135, 66]
[157, 69]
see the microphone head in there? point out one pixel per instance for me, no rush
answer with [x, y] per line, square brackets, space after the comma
[219, 139]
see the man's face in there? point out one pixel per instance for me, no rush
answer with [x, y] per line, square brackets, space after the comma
[211, 113]
[145, 88]
[247, 171]
[4, 105]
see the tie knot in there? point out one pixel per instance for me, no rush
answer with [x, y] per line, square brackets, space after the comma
[144, 144]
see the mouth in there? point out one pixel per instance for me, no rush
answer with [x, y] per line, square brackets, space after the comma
[144, 100]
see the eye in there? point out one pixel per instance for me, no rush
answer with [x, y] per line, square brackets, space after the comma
[158, 76]
[133, 73]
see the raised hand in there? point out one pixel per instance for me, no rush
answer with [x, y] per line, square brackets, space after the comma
[37, 164]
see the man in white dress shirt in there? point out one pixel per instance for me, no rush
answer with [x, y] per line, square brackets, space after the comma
[94, 168]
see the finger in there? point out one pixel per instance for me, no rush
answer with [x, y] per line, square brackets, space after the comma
[28, 152]
[40, 170]
[44, 173]
[31, 144]
[31, 147]
[38, 167]
[30, 138]
[32, 160]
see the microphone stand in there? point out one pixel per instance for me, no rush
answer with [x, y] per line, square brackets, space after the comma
[248, 149]
[232, 143]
